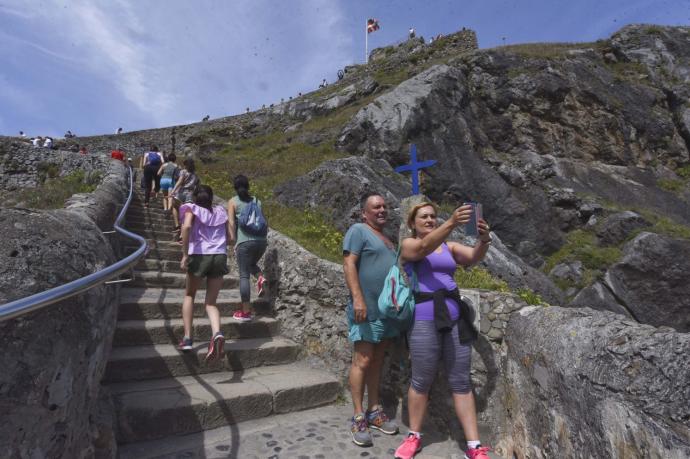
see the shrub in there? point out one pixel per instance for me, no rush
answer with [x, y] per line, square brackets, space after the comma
[531, 297]
[53, 193]
[479, 278]
[670, 185]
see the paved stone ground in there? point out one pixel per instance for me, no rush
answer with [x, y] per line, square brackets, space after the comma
[320, 433]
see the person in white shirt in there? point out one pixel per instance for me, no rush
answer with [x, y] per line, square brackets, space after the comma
[48, 142]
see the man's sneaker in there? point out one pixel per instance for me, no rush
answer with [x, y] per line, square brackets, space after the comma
[410, 446]
[260, 285]
[360, 431]
[378, 420]
[480, 452]
[186, 344]
[215, 347]
[241, 316]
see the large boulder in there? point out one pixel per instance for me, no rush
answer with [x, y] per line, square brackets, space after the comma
[598, 296]
[616, 228]
[652, 280]
[336, 187]
[593, 384]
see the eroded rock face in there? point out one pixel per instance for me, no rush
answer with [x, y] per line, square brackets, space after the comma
[616, 228]
[592, 384]
[652, 280]
[336, 187]
[53, 359]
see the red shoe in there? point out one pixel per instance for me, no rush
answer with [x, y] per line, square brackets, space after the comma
[260, 285]
[477, 453]
[241, 316]
[215, 347]
[409, 448]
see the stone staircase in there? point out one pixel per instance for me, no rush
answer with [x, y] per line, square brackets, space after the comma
[159, 392]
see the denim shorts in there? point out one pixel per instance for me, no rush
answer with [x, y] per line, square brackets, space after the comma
[166, 183]
[371, 331]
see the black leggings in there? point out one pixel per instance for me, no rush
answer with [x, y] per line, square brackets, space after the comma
[151, 175]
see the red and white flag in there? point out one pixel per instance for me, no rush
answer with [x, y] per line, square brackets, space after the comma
[372, 25]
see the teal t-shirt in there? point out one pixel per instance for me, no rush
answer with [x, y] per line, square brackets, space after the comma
[241, 235]
[373, 263]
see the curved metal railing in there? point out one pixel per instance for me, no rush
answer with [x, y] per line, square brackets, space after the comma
[37, 301]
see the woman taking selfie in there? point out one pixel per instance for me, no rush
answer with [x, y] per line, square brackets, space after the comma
[442, 328]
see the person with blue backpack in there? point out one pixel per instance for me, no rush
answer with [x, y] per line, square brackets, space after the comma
[151, 162]
[249, 224]
[442, 326]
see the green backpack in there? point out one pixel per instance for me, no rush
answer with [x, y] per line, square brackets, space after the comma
[396, 301]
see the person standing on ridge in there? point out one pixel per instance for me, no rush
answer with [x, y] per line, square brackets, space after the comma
[250, 245]
[205, 236]
[150, 162]
[367, 257]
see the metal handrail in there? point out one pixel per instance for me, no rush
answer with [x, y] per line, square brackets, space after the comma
[37, 301]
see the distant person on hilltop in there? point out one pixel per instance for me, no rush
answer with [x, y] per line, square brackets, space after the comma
[411, 33]
[69, 135]
[119, 131]
[36, 142]
[206, 118]
[150, 162]
[22, 135]
[48, 143]
[82, 150]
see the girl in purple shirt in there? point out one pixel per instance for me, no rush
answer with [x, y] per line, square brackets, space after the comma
[437, 330]
[205, 237]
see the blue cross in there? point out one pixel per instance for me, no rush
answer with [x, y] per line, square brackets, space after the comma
[415, 167]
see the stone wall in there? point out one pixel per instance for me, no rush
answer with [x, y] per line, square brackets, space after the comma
[24, 166]
[584, 383]
[53, 359]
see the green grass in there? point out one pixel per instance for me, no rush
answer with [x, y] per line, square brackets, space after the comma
[581, 245]
[549, 50]
[53, 192]
[479, 278]
[530, 297]
[671, 185]
[684, 172]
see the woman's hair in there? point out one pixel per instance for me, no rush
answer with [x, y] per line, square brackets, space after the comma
[189, 165]
[154, 148]
[412, 213]
[203, 197]
[172, 158]
[241, 184]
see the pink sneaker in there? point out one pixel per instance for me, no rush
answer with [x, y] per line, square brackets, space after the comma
[477, 453]
[260, 285]
[410, 446]
[242, 316]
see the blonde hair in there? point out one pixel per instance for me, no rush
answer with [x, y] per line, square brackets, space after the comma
[412, 213]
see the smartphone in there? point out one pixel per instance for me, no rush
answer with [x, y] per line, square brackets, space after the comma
[472, 226]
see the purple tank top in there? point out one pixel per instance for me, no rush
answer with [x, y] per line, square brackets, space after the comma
[435, 272]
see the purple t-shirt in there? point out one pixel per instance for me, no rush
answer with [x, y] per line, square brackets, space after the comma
[435, 272]
[209, 232]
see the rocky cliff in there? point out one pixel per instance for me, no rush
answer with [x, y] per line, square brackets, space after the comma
[53, 359]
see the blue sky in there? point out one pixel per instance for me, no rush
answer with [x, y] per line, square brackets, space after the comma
[93, 66]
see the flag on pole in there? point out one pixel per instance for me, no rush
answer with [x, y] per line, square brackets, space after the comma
[372, 25]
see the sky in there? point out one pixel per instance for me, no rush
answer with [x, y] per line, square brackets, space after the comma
[94, 66]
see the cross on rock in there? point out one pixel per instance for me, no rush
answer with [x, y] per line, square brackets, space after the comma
[414, 167]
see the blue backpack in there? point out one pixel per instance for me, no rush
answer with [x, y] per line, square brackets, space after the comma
[396, 301]
[252, 220]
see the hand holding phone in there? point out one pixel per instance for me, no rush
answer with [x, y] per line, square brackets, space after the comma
[471, 228]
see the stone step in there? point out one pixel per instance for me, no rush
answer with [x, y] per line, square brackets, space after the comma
[164, 360]
[170, 331]
[138, 303]
[172, 252]
[157, 234]
[154, 264]
[144, 226]
[140, 217]
[152, 409]
[172, 280]
[150, 213]
[315, 433]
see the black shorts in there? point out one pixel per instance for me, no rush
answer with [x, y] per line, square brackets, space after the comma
[215, 265]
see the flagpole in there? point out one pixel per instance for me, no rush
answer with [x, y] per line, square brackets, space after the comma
[366, 42]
